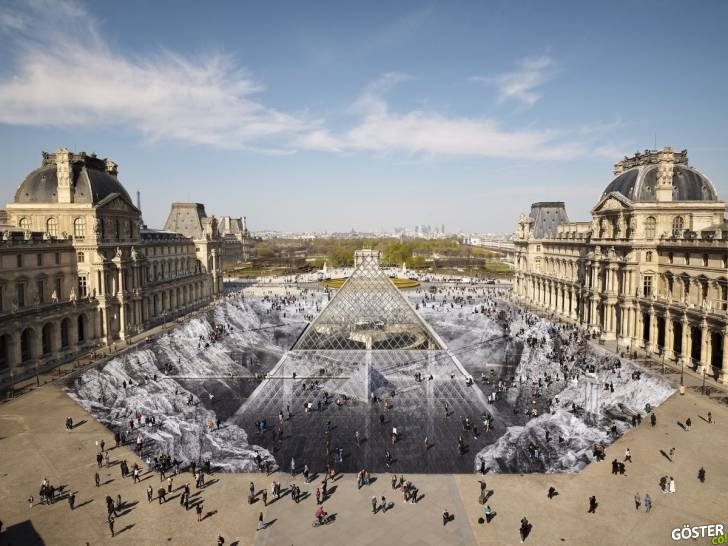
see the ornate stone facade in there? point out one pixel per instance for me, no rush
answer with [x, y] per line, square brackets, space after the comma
[191, 220]
[237, 241]
[42, 316]
[134, 277]
[649, 270]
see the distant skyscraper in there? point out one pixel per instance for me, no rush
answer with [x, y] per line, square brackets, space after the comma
[442, 229]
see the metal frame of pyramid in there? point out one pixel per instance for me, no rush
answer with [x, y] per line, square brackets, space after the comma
[369, 313]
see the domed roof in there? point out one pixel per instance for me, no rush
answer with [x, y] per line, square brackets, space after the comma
[639, 183]
[90, 180]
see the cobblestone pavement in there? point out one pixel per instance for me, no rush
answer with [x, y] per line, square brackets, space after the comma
[34, 444]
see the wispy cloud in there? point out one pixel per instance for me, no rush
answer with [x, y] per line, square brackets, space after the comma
[430, 133]
[522, 84]
[67, 75]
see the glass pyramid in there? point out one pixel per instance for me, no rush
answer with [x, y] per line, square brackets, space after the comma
[369, 313]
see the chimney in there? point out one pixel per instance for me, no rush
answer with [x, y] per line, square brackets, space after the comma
[64, 175]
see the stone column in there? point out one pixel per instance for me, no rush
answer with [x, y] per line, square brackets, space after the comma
[723, 373]
[704, 347]
[669, 342]
[653, 331]
[687, 341]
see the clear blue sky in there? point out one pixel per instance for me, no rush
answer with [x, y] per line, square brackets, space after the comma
[340, 115]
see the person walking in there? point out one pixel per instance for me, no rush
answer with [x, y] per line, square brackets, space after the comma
[653, 419]
[261, 525]
[150, 493]
[701, 475]
[318, 495]
[637, 501]
[169, 485]
[445, 517]
[264, 495]
[524, 529]
[198, 509]
[671, 487]
[374, 505]
[688, 424]
[592, 505]
[97, 479]
[648, 502]
[710, 418]
[71, 500]
[628, 455]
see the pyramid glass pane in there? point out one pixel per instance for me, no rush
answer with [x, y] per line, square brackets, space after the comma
[369, 313]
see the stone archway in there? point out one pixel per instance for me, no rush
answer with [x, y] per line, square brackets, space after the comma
[28, 341]
[81, 327]
[47, 339]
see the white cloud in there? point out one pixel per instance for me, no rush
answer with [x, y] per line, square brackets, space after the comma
[66, 74]
[521, 84]
[70, 77]
[430, 133]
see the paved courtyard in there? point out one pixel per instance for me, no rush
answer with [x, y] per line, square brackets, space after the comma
[34, 444]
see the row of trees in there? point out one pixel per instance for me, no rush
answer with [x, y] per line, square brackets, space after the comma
[340, 252]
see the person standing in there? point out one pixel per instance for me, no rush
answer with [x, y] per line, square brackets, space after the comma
[150, 493]
[628, 455]
[672, 485]
[701, 475]
[592, 505]
[71, 500]
[688, 424]
[637, 501]
[710, 418]
[97, 479]
[198, 509]
[648, 502]
[653, 419]
[111, 525]
[374, 505]
[169, 485]
[445, 517]
[264, 494]
[261, 525]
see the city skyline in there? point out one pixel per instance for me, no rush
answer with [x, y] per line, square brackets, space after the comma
[333, 117]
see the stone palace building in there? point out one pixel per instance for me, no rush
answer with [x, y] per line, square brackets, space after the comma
[651, 268]
[78, 268]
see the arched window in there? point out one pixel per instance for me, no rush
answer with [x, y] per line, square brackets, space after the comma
[4, 351]
[677, 226]
[47, 339]
[52, 227]
[650, 226]
[24, 223]
[64, 332]
[81, 330]
[79, 228]
[26, 344]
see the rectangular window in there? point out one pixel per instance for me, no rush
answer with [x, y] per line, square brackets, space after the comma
[2, 299]
[19, 260]
[647, 285]
[40, 289]
[39, 259]
[20, 294]
[82, 287]
[58, 258]
[59, 289]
